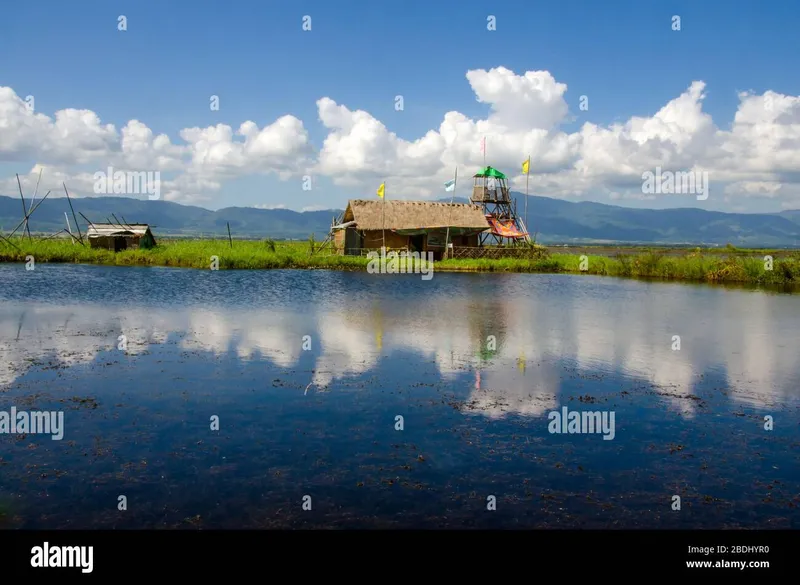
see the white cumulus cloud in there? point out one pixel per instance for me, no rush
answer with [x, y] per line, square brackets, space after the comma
[755, 155]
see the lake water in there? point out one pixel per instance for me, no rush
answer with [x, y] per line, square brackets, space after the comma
[308, 372]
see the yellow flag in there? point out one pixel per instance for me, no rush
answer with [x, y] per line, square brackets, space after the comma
[381, 189]
[526, 166]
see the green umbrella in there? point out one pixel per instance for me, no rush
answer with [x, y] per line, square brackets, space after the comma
[490, 172]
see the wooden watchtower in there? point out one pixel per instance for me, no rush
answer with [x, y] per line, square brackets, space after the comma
[490, 191]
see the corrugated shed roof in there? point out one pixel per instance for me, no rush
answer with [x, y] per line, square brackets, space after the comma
[409, 215]
[107, 229]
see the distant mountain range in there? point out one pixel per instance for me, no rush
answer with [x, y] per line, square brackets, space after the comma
[555, 220]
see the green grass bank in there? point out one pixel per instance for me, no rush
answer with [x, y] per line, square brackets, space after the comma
[763, 267]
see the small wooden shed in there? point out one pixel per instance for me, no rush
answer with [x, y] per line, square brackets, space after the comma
[115, 237]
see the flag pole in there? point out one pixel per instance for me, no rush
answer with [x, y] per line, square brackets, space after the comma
[527, 176]
[452, 198]
[383, 218]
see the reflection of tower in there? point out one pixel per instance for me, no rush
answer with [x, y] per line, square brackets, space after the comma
[490, 191]
[488, 325]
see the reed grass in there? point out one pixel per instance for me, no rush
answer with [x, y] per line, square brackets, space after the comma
[698, 265]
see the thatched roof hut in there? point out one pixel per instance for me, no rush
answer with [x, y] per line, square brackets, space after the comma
[116, 237]
[414, 215]
[411, 225]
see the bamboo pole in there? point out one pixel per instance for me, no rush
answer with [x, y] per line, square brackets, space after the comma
[35, 192]
[10, 243]
[74, 239]
[77, 227]
[230, 241]
[51, 236]
[24, 211]
[84, 217]
[69, 229]
[31, 213]
[58, 233]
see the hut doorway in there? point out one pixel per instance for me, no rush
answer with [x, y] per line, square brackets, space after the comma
[352, 242]
[417, 243]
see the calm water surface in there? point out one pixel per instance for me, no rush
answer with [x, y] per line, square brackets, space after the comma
[308, 372]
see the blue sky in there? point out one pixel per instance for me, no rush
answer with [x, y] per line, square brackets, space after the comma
[255, 56]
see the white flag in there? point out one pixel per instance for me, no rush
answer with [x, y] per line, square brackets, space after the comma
[450, 185]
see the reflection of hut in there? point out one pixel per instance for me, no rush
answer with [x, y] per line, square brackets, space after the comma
[115, 237]
[416, 226]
